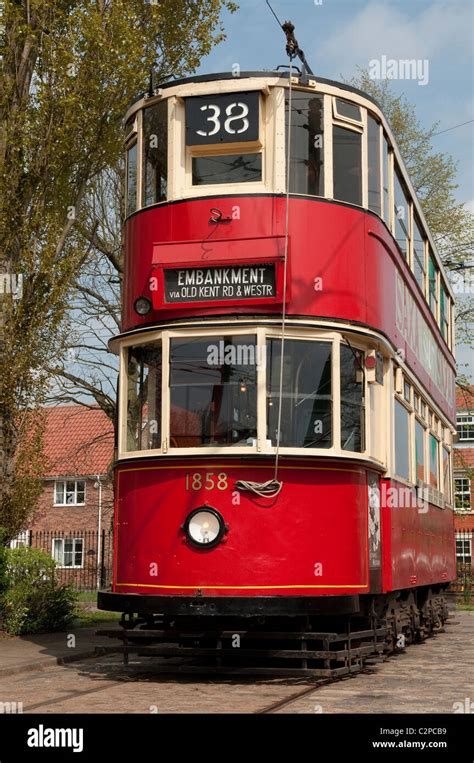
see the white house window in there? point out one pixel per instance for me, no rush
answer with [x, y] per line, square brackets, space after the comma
[69, 493]
[462, 494]
[464, 549]
[22, 539]
[68, 552]
[465, 426]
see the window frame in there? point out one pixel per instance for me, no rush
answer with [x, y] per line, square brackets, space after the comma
[418, 420]
[397, 173]
[399, 398]
[337, 117]
[435, 312]
[360, 130]
[416, 223]
[466, 492]
[262, 333]
[367, 117]
[64, 483]
[142, 167]
[60, 564]
[259, 146]
[461, 557]
[326, 147]
[461, 424]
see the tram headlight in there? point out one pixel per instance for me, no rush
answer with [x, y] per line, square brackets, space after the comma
[204, 527]
[142, 306]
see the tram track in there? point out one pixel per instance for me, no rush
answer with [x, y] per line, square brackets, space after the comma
[279, 704]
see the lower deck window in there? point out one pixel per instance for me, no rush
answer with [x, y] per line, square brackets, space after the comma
[402, 462]
[230, 168]
[216, 386]
[434, 462]
[306, 417]
[352, 400]
[144, 397]
[420, 452]
[446, 475]
[213, 391]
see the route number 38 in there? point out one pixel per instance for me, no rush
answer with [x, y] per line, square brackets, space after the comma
[241, 110]
[222, 118]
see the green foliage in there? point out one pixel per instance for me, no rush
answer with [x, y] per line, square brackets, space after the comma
[69, 69]
[34, 601]
[3, 562]
[29, 566]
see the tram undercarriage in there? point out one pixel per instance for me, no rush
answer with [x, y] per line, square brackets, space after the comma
[365, 630]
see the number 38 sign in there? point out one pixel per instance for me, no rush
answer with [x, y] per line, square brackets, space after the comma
[222, 118]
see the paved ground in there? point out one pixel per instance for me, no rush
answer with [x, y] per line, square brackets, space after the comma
[427, 678]
[26, 653]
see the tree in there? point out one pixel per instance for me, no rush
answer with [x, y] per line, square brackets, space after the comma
[433, 175]
[69, 68]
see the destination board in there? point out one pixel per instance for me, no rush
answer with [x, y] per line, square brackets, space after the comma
[219, 283]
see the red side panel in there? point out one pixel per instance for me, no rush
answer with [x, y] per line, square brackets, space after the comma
[417, 542]
[310, 540]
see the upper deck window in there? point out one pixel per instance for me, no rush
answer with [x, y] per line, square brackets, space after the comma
[229, 168]
[433, 285]
[155, 147]
[402, 211]
[373, 143]
[444, 312]
[418, 254]
[347, 110]
[347, 165]
[306, 154]
[131, 197]
[385, 181]
[223, 138]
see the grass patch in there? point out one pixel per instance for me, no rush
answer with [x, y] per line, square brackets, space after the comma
[468, 607]
[85, 618]
[87, 596]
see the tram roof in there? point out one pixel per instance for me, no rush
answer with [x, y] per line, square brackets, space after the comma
[271, 73]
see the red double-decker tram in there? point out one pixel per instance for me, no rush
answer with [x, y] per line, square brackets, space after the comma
[286, 396]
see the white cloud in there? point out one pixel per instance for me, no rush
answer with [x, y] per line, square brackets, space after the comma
[382, 29]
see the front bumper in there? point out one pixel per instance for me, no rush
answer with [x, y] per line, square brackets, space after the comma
[213, 606]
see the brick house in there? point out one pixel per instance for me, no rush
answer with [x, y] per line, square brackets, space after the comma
[464, 476]
[75, 512]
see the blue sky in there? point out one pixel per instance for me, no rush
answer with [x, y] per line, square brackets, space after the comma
[339, 35]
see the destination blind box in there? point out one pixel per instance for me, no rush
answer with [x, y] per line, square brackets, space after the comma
[185, 285]
[219, 283]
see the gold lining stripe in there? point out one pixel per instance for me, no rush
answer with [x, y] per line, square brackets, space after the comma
[239, 466]
[234, 587]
